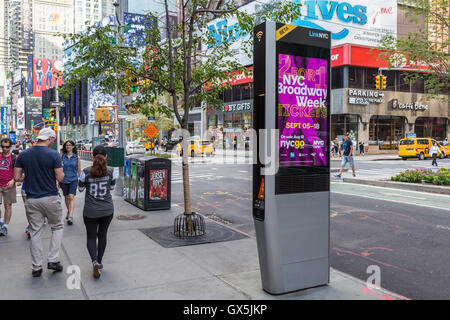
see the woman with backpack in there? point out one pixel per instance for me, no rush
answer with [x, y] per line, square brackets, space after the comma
[98, 180]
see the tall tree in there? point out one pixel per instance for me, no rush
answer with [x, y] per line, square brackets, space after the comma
[172, 61]
[427, 47]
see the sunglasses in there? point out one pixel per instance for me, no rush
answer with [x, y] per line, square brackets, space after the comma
[6, 147]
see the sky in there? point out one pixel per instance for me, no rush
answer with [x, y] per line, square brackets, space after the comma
[143, 6]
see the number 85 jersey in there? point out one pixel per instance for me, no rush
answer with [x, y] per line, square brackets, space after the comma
[98, 201]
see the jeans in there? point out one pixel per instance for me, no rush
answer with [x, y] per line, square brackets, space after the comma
[346, 159]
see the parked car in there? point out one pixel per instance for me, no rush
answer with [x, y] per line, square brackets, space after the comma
[172, 143]
[418, 148]
[197, 147]
[147, 144]
[80, 143]
[134, 148]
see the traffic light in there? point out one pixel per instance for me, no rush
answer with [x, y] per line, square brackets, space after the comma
[378, 82]
[130, 83]
[52, 114]
[383, 82]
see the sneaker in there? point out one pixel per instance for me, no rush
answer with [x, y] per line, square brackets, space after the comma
[70, 221]
[354, 175]
[36, 273]
[28, 232]
[97, 272]
[337, 175]
[57, 266]
[3, 231]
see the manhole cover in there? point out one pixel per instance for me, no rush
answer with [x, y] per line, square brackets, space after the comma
[215, 232]
[131, 217]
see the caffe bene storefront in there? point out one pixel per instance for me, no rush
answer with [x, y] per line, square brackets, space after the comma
[381, 118]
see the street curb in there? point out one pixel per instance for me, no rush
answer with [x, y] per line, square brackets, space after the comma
[400, 185]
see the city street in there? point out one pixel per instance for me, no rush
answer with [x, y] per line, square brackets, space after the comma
[404, 233]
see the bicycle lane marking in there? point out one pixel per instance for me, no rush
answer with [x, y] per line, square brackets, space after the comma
[424, 199]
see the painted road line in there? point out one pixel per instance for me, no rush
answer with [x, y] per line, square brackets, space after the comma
[396, 201]
[402, 195]
[431, 200]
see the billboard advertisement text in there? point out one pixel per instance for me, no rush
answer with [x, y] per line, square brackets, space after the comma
[302, 111]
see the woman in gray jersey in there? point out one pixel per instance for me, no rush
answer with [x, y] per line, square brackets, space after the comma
[98, 180]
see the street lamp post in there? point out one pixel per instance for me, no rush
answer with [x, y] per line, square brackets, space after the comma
[57, 115]
[122, 138]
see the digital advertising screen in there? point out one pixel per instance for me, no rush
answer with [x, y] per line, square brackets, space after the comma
[302, 110]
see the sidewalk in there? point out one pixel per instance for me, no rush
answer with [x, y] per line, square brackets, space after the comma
[136, 267]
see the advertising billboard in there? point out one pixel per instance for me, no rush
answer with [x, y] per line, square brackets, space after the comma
[43, 77]
[30, 75]
[27, 24]
[158, 184]
[21, 113]
[360, 22]
[302, 110]
[4, 119]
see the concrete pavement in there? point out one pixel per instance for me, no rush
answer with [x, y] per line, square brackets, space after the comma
[136, 267]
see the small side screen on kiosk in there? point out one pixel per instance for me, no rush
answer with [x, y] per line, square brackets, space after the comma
[302, 110]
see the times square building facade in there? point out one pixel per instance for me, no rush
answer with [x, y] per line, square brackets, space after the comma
[379, 118]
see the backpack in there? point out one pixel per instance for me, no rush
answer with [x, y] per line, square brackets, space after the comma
[13, 159]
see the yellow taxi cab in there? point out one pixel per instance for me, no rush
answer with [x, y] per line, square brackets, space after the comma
[446, 149]
[147, 144]
[197, 147]
[418, 148]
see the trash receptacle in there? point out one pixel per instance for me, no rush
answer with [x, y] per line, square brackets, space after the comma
[148, 180]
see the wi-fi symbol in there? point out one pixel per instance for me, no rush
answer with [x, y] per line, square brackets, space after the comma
[259, 35]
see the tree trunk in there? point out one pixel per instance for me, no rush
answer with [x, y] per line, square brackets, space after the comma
[185, 168]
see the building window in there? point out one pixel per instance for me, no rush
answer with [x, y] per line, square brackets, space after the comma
[337, 78]
[369, 78]
[435, 128]
[344, 123]
[386, 131]
[355, 77]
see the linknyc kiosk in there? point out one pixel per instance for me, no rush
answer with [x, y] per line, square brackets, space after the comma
[291, 208]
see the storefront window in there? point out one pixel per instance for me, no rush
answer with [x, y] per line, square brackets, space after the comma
[386, 131]
[248, 120]
[228, 120]
[344, 123]
[435, 128]
[237, 117]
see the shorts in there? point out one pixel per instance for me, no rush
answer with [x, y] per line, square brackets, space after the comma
[346, 159]
[8, 195]
[69, 188]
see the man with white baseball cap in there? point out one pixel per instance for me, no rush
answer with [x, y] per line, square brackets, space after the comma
[43, 168]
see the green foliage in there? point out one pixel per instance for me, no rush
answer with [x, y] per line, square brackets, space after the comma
[174, 66]
[442, 177]
[428, 46]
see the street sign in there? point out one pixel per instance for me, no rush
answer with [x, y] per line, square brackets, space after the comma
[151, 131]
[60, 104]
